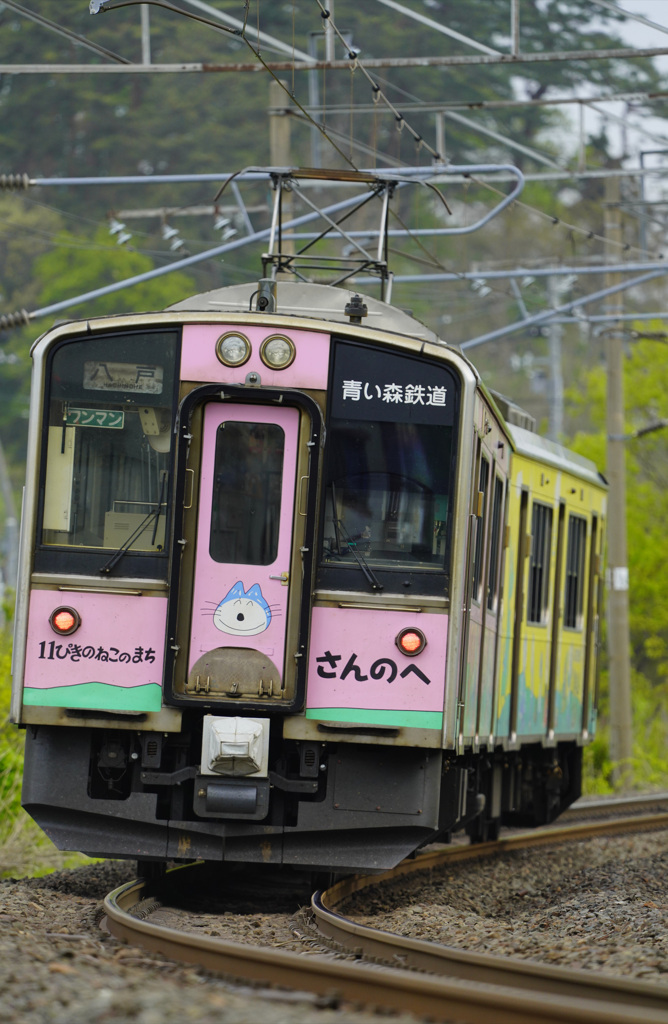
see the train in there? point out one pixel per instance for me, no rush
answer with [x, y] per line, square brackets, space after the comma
[295, 587]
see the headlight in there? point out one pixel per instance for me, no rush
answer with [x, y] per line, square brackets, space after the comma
[277, 352]
[233, 349]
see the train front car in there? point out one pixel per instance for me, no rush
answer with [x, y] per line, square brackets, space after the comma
[261, 614]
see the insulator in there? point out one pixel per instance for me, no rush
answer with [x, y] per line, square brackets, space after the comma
[18, 319]
[15, 181]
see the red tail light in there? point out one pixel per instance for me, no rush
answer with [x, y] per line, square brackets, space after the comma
[411, 641]
[64, 621]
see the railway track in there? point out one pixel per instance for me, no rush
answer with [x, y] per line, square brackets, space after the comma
[587, 808]
[424, 978]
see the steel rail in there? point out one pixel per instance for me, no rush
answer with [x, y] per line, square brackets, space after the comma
[488, 968]
[443, 998]
[616, 804]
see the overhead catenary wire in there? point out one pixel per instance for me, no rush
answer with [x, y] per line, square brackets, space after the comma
[590, 235]
[377, 92]
[99, 7]
[391, 107]
[585, 232]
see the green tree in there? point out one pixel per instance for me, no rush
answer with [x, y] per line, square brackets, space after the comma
[73, 268]
[105, 124]
[646, 392]
[40, 267]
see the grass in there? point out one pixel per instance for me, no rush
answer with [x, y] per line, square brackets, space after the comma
[647, 770]
[24, 848]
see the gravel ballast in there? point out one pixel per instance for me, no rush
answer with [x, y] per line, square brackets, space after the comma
[598, 905]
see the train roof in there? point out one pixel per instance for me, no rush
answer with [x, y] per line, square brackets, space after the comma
[321, 301]
[534, 446]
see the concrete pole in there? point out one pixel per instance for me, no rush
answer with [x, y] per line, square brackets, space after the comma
[556, 383]
[145, 35]
[515, 25]
[617, 576]
[279, 150]
[10, 544]
[440, 135]
[330, 38]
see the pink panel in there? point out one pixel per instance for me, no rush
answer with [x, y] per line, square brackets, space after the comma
[199, 361]
[120, 641]
[350, 646]
[214, 580]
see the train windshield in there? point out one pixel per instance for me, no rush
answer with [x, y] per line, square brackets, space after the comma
[388, 493]
[390, 462]
[108, 446]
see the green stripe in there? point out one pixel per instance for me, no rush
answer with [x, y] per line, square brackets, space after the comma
[364, 716]
[96, 697]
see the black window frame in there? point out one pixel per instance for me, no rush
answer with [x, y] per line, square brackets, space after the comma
[431, 580]
[481, 521]
[73, 560]
[540, 557]
[494, 566]
[574, 571]
[271, 510]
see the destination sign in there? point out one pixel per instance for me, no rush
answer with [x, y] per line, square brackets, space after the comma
[374, 384]
[143, 378]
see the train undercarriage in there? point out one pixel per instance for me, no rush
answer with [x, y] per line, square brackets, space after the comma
[333, 806]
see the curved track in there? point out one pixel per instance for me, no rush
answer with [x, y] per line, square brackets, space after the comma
[461, 986]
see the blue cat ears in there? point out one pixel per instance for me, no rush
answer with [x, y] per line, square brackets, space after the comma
[255, 594]
[238, 591]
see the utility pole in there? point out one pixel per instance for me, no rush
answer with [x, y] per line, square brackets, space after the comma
[619, 642]
[279, 125]
[145, 35]
[330, 38]
[11, 539]
[279, 148]
[556, 380]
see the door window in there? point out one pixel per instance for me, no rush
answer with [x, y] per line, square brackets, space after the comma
[248, 476]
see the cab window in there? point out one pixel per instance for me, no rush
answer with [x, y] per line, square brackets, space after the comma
[108, 440]
[389, 474]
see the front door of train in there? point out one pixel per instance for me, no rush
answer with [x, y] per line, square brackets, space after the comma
[245, 608]
[244, 540]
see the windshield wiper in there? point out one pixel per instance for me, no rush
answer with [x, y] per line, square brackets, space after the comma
[151, 516]
[339, 529]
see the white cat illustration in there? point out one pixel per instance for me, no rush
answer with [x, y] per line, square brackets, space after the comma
[241, 612]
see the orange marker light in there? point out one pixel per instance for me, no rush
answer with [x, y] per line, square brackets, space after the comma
[411, 641]
[64, 621]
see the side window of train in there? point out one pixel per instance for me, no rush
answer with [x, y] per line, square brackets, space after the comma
[538, 596]
[494, 574]
[575, 567]
[110, 403]
[480, 529]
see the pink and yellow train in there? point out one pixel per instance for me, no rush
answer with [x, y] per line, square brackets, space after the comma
[295, 588]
